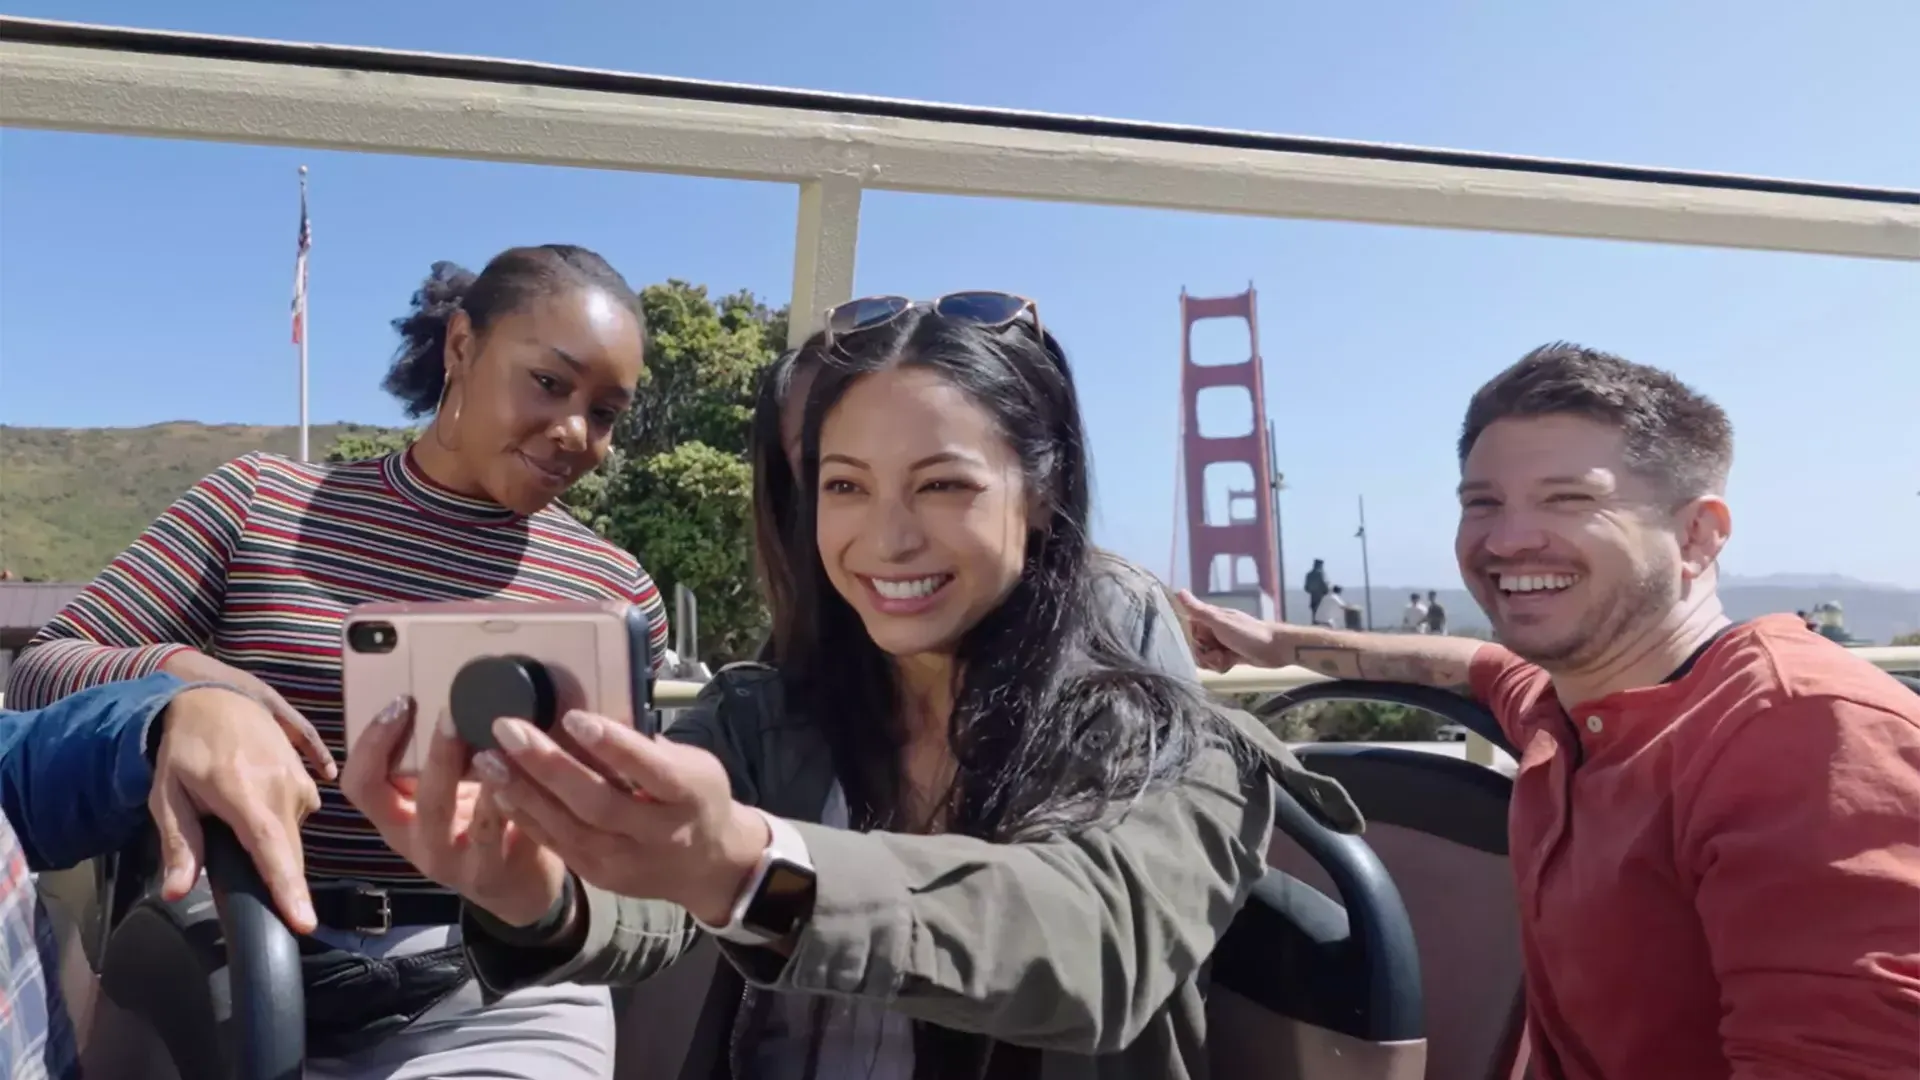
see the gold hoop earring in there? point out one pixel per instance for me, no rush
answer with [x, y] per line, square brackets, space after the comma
[440, 414]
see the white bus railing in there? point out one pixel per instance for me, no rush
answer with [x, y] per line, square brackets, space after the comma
[70, 77]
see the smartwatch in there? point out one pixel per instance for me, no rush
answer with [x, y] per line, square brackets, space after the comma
[778, 895]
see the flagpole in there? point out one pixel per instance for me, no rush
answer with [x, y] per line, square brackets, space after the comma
[306, 326]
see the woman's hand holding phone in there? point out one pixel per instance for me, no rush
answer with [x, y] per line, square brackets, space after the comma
[634, 814]
[449, 828]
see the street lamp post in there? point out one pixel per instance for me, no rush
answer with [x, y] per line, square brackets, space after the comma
[1366, 569]
[1279, 544]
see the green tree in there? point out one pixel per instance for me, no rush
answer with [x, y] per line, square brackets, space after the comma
[1345, 721]
[357, 443]
[703, 357]
[686, 513]
[1907, 640]
[1373, 721]
[677, 490]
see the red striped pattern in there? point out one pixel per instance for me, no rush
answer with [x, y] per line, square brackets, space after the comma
[257, 564]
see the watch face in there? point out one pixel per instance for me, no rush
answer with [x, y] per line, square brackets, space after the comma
[784, 901]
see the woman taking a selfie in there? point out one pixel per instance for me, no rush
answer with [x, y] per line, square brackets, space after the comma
[524, 368]
[962, 828]
[1133, 599]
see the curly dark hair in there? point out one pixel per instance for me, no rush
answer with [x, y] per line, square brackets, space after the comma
[510, 280]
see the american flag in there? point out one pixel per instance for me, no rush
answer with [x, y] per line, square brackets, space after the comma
[300, 264]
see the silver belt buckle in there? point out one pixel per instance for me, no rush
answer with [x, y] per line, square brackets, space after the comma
[384, 922]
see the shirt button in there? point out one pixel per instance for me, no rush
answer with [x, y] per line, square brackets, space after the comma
[1594, 724]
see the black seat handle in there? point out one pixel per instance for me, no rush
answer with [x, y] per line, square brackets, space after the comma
[1377, 920]
[1376, 914]
[269, 1022]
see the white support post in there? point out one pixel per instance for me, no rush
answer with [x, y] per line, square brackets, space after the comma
[826, 240]
[1479, 750]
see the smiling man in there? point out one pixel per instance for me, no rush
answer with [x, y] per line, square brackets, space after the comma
[1716, 825]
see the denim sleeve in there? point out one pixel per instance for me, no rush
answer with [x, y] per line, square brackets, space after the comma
[74, 775]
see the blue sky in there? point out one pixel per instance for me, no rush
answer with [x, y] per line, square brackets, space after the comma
[143, 281]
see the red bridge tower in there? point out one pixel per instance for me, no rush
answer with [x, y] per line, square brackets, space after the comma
[1233, 559]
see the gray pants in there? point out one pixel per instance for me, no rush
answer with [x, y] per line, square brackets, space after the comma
[542, 1033]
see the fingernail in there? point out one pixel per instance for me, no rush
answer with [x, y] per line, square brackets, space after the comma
[500, 800]
[490, 768]
[587, 729]
[395, 710]
[445, 725]
[508, 734]
[304, 912]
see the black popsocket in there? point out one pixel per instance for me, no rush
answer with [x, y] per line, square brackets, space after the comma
[492, 687]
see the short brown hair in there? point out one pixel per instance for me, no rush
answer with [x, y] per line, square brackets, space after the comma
[1673, 433]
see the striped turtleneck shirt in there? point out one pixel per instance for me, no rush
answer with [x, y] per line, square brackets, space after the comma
[257, 564]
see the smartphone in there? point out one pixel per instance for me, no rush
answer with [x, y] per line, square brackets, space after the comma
[482, 660]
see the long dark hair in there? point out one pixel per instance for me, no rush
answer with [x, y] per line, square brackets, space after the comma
[776, 502]
[1056, 724]
[1056, 721]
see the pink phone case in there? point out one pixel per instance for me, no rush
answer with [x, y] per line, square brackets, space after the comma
[598, 657]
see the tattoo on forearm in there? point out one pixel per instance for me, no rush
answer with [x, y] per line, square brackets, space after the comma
[1349, 663]
[1336, 662]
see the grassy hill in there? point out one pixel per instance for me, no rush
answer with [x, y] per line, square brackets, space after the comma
[70, 498]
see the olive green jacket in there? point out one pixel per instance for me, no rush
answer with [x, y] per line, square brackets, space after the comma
[1089, 947]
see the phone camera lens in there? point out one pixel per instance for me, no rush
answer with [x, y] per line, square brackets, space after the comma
[372, 637]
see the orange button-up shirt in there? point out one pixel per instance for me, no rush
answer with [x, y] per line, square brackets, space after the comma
[1719, 876]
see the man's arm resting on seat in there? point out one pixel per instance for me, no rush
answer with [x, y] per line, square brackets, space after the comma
[1803, 837]
[1442, 662]
[75, 775]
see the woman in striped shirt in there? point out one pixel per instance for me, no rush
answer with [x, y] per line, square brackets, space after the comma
[525, 369]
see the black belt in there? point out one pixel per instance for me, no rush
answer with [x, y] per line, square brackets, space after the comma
[370, 909]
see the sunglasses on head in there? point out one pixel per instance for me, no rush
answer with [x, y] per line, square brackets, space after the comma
[991, 310]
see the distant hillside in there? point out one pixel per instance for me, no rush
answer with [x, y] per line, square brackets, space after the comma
[70, 499]
[1808, 581]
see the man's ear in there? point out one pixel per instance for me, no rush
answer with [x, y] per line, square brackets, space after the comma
[1705, 525]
